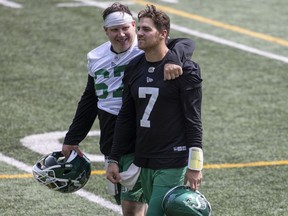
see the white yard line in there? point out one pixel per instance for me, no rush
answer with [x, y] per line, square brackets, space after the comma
[90, 3]
[205, 36]
[18, 164]
[82, 193]
[99, 200]
[49, 142]
[170, 1]
[10, 4]
[229, 43]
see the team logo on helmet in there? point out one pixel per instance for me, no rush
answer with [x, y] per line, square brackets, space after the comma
[182, 201]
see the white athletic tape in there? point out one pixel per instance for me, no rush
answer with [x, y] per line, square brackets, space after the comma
[195, 160]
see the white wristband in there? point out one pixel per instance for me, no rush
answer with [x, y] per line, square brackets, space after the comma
[195, 160]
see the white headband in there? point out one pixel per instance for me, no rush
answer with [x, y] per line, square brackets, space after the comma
[117, 18]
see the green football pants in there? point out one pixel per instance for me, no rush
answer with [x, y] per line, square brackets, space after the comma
[156, 183]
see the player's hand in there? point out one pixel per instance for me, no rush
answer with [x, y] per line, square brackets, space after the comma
[66, 150]
[193, 178]
[172, 71]
[112, 173]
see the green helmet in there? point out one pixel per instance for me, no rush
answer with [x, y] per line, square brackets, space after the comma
[59, 174]
[182, 201]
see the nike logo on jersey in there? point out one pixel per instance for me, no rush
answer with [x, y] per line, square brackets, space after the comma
[149, 80]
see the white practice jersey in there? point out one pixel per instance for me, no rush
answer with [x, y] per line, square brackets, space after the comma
[107, 68]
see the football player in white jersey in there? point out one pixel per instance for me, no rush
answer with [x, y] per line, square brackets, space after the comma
[103, 93]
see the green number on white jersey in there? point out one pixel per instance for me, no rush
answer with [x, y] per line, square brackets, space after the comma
[102, 88]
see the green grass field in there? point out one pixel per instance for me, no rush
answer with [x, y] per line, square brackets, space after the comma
[43, 48]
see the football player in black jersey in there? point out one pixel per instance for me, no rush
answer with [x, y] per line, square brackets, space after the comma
[102, 97]
[164, 116]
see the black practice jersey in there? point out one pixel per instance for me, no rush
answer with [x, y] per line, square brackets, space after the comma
[165, 114]
[88, 107]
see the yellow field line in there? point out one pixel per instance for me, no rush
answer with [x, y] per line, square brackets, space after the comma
[216, 23]
[242, 165]
[27, 175]
[16, 176]
[207, 166]
[98, 172]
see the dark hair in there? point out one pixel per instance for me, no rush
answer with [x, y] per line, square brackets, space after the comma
[160, 19]
[116, 7]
